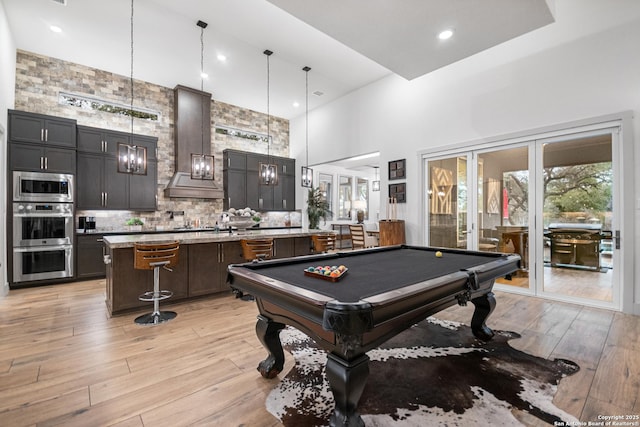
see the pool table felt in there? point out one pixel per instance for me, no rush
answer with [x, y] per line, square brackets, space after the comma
[374, 273]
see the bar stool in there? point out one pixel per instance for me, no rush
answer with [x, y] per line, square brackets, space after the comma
[257, 249]
[323, 243]
[152, 257]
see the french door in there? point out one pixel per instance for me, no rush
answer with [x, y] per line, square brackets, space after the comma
[552, 200]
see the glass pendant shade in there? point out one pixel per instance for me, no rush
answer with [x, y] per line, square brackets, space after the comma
[201, 166]
[307, 177]
[268, 174]
[375, 185]
[132, 159]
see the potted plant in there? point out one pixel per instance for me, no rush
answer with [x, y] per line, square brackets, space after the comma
[317, 207]
[135, 224]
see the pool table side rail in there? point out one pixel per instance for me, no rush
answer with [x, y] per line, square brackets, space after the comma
[492, 270]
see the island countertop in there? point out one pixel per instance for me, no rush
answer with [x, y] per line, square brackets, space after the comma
[128, 240]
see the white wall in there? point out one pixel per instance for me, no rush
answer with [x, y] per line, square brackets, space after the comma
[7, 98]
[588, 76]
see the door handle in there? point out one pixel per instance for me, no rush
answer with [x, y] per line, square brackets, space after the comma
[617, 239]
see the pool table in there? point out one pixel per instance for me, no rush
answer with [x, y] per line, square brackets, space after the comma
[384, 291]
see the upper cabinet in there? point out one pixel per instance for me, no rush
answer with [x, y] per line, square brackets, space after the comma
[100, 185]
[41, 143]
[242, 188]
[41, 129]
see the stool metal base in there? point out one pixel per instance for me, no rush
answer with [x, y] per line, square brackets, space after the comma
[155, 317]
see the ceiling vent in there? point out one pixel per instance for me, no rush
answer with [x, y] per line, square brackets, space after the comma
[318, 93]
[62, 2]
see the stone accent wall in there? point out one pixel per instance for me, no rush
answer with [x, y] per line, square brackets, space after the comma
[39, 79]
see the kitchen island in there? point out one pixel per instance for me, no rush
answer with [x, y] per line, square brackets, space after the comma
[201, 270]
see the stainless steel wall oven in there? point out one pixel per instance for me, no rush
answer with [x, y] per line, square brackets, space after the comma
[43, 226]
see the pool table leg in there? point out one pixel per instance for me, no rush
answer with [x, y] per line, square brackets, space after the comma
[347, 380]
[484, 306]
[268, 333]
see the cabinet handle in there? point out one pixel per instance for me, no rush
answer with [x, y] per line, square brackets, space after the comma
[106, 199]
[41, 134]
[260, 203]
[228, 162]
[41, 162]
[46, 163]
[100, 240]
[46, 134]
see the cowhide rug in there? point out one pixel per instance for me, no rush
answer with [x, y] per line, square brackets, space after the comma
[435, 373]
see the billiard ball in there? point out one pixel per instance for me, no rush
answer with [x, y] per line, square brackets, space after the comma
[439, 254]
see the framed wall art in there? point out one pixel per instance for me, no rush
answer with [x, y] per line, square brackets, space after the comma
[398, 192]
[397, 169]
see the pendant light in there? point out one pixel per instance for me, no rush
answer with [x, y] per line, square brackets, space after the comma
[375, 185]
[307, 172]
[268, 174]
[202, 164]
[131, 158]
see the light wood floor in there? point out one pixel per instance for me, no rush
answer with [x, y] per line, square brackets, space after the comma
[63, 361]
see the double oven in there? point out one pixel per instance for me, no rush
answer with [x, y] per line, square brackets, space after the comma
[43, 226]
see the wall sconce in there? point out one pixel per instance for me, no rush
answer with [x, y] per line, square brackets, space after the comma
[307, 177]
[201, 166]
[132, 159]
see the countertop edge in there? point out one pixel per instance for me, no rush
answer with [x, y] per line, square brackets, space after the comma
[128, 240]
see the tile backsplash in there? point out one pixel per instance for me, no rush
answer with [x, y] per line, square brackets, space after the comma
[116, 220]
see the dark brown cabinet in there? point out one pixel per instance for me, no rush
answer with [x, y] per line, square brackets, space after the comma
[41, 143]
[100, 185]
[208, 264]
[136, 282]
[41, 129]
[89, 256]
[291, 247]
[201, 270]
[35, 157]
[242, 187]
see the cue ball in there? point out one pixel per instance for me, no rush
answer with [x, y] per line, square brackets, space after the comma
[439, 254]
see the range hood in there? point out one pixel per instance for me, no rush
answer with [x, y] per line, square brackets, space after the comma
[192, 118]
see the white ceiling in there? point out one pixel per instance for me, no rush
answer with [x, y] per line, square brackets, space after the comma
[356, 41]
[402, 35]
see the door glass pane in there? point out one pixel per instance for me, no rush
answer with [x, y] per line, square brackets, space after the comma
[345, 185]
[447, 204]
[361, 204]
[325, 182]
[503, 207]
[577, 212]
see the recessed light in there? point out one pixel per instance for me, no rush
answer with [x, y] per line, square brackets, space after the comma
[55, 29]
[221, 57]
[204, 75]
[296, 104]
[445, 35]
